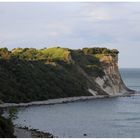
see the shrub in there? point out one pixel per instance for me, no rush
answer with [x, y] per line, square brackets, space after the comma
[6, 128]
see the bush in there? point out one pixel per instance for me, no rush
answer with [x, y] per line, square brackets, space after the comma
[6, 128]
[97, 50]
[4, 53]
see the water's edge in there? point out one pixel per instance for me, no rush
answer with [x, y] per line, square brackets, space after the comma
[63, 100]
[20, 132]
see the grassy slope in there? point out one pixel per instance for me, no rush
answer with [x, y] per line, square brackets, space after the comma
[56, 53]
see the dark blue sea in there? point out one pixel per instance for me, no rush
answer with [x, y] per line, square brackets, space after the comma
[99, 118]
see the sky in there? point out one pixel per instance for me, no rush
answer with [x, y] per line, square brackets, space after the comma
[73, 25]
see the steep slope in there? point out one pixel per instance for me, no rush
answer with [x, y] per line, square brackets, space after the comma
[29, 74]
[101, 71]
[111, 82]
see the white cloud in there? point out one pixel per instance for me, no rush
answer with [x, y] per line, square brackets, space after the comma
[74, 25]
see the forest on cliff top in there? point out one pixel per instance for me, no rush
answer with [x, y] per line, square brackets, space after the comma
[29, 74]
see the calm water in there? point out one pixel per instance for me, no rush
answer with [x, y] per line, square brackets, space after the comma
[116, 117]
[132, 78]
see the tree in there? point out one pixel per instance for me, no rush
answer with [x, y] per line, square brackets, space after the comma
[4, 53]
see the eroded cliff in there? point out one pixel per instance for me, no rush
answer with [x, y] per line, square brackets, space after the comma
[111, 82]
[107, 79]
[31, 75]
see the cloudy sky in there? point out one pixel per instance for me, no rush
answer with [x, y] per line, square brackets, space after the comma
[73, 25]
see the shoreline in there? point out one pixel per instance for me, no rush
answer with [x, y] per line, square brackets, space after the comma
[62, 100]
[25, 132]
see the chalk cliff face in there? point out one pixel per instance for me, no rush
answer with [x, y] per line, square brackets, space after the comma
[111, 82]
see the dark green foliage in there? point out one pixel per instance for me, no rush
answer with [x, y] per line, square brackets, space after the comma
[28, 74]
[25, 81]
[6, 128]
[115, 51]
[12, 113]
[89, 63]
[98, 50]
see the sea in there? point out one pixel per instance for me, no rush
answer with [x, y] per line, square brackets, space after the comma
[117, 117]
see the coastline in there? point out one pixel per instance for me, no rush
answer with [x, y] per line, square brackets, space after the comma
[62, 100]
[25, 132]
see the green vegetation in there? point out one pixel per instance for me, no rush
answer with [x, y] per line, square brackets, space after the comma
[89, 63]
[51, 54]
[25, 81]
[26, 53]
[28, 74]
[6, 128]
[98, 50]
[4, 53]
[56, 53]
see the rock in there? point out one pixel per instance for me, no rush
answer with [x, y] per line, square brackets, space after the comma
[84, 134]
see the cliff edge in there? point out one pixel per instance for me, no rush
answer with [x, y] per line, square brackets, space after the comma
[103, 72]
[111, 82]
[28, 74]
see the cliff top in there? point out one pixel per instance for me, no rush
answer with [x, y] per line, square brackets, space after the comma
[53, 54]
